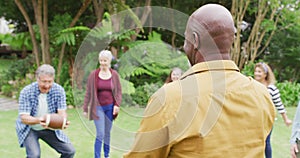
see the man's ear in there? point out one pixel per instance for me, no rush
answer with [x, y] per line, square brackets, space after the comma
[196, 42]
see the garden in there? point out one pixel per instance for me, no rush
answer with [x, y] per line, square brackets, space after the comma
[146, 40]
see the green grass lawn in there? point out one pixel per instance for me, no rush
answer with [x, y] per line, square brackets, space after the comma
[81, 132]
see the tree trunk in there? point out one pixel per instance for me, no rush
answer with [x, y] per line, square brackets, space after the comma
[62, 51]
[147, 11]
[99, 10]
[254, 45]
[37, 7]
[238, 53]
[171, 5]
[40, 8]
[31, 31]
[272, 16]
[46, 33]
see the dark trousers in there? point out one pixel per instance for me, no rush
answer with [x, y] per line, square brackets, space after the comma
[268, 148]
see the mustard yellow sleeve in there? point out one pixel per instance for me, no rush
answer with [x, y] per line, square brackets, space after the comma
[152, 138]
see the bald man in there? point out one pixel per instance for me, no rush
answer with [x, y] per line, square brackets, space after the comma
[213, 110]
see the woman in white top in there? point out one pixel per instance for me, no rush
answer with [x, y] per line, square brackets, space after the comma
[263, 73]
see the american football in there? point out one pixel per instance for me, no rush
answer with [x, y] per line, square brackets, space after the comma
[55, 121]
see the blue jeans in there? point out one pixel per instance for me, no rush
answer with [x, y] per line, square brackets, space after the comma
[32, 144]
[103, 128]
[268, 148]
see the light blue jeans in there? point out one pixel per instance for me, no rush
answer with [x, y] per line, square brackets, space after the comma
[103, 128]
[32, 144]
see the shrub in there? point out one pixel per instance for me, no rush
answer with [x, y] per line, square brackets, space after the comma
[139, 96]
[7, 90]
[144, 92]
[78, 96]
[17, 72]
[289, 92]
[127, 100]
[69, 93]
[248, 69]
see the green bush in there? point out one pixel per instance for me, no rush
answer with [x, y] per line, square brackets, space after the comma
[7, 90]
[78, 96]
[144, 92]
[16, 73]
[69, 93]
[127, 100]
[248, 69]
[18, 70]
[289, 92]
[140, 96]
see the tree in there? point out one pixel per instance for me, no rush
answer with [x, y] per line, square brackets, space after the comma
[84, 6]
[35, 48]
[266, 15]
[284, 47]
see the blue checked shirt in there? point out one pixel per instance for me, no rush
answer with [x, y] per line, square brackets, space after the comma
[28, 104]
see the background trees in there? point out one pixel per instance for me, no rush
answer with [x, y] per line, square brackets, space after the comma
[266, 30]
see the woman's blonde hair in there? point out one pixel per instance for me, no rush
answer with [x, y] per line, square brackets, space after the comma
[270, 78]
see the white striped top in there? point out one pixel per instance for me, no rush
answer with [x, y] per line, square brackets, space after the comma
[275, 95]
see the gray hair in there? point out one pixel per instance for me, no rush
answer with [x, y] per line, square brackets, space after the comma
[106, 53]
[45, 69]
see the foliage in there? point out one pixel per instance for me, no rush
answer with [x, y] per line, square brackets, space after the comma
[289, 92]
[68, 35]
[127, 87]
[5, 64]
[248, 69]
[16, 76]
[143, 62]
[151, 88]
[127, 100]
[18, 70]
[139, 96]
[7, 90]
[150, 64]
[78, 97]
[69, 93]
[59, 23]
[17, 41]
[105, 32]
[143, 93]
[283, 53]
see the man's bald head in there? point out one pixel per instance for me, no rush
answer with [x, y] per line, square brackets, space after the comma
[210, 30]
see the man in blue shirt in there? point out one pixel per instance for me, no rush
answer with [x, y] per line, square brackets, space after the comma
[36, 100]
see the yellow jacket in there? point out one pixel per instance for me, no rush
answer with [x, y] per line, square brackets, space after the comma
[212, 111]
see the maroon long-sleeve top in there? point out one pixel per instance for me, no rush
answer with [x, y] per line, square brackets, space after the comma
[91, 99]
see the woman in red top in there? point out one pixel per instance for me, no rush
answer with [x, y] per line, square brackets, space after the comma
[102, 101]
